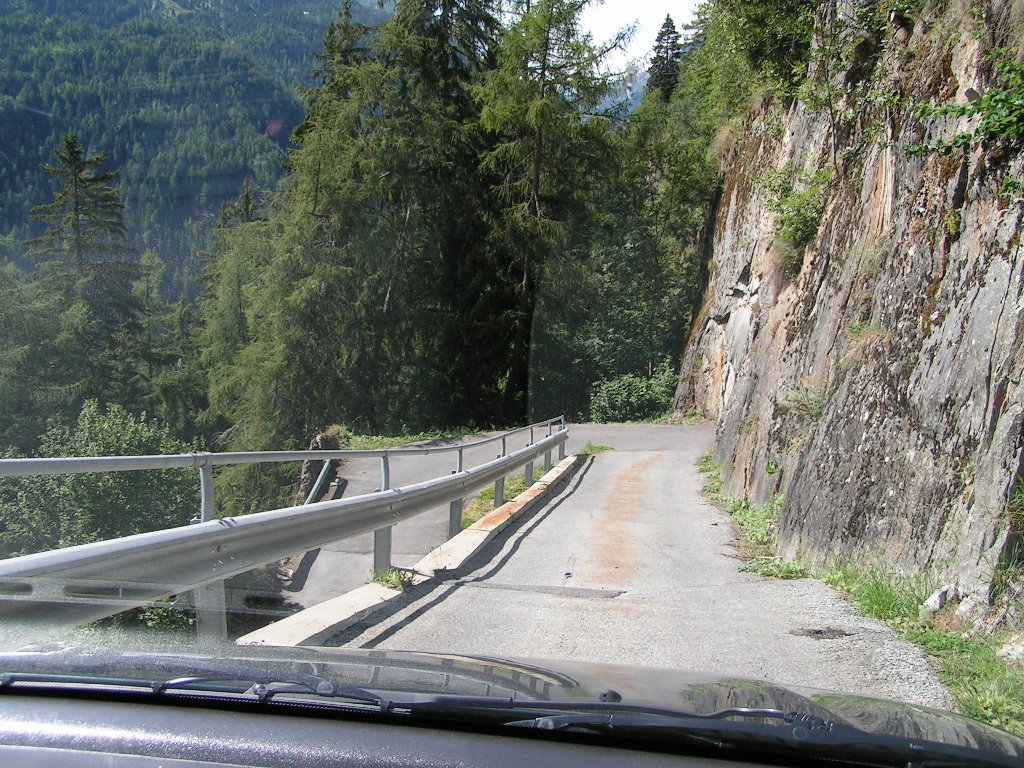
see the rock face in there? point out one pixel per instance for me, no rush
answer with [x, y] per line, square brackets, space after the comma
[874, 375]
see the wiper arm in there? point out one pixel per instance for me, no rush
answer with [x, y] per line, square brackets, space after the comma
[262, 690]
[794, 733]
[266, 688]
[612, 719]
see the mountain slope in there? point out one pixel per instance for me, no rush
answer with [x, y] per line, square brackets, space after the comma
[186, 99]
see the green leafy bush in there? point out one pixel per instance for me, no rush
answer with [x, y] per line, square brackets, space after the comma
[631, 397]
[797, 200]
[1001, 109]
[39, 513]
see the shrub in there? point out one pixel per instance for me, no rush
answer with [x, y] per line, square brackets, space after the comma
[796, 199]
[805, 401]
[47, 512]
[1001, 111]
[631, 397]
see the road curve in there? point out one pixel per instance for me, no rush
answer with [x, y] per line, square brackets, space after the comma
[630, 564]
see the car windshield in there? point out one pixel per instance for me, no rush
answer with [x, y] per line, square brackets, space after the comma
[662, 355]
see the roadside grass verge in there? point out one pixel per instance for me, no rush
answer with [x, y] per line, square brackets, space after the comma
[756, 526]
[592, 449]
[483, 503]
[984, 686]
[380, 442]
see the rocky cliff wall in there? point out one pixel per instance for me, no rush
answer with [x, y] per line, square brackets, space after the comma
[874, 375]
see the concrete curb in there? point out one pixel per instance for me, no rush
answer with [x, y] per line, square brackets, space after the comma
[319, 622]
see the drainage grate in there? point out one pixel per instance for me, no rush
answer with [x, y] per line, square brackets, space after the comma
[820, 633]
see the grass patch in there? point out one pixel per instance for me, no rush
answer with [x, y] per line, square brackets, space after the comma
[713, 484]
[776, 568]
[984, 686]
[806, 401]
[756, 527]
[395, 578]
[483, 503]
[592, 449]
[380, 442]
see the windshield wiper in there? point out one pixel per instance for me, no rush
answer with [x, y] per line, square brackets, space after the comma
[737, 729]
[265, 689]
[751, 729]
[261, 690]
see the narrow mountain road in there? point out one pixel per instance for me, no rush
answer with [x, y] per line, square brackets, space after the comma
[630, 564]
[344, 565]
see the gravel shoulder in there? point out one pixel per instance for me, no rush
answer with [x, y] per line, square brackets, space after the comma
[630, 564]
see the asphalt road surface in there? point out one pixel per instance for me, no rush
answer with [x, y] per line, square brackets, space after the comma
[344, 565]
[630, 564]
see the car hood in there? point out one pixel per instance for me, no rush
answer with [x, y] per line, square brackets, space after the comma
[539, 680]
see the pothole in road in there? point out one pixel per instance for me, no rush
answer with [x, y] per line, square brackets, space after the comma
[820, 633]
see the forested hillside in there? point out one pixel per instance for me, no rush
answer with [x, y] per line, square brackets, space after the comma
[185, 99]
[473, 228]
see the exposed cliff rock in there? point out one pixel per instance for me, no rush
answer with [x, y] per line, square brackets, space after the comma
[874, 374]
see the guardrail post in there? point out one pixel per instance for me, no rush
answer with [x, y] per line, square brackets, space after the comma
[210, 600]
[499, 485]
[561, 448]
[455, 507]
[382, 536]
[314, 491]
[547, 456]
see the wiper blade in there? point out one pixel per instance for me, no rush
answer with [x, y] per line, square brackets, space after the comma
[260, 690]
[267, 688]
[751, 729]
[558, 722]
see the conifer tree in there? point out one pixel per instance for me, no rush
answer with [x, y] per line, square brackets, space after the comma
[83, 257]
[664, 70]
[84, 220]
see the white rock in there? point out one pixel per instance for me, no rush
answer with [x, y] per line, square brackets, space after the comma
[1013, 650]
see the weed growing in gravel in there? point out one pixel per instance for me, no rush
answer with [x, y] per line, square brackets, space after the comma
[757, 524]
[756, 527]
[483, 503]
[983, 685]
[591, 449]
[777, 568]
[713, 487]
[394, 578]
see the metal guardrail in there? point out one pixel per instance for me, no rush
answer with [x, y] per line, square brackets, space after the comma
[74, 585]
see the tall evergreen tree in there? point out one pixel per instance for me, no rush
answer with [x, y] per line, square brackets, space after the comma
[84, 220]
[83, 258]
[539, 103]
[348, 310]
[664, 69]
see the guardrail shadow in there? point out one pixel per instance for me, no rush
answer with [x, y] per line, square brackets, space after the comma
[484, 568]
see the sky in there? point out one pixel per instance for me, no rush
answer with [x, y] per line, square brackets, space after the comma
[603, 20]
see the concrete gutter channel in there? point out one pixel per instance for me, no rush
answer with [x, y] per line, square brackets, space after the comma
[318, 623]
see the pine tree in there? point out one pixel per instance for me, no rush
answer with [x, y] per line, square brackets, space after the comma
[83, 258]
[664, 70]
[539, 104]
[84, 220]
